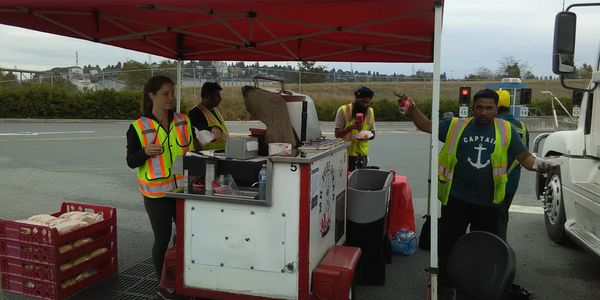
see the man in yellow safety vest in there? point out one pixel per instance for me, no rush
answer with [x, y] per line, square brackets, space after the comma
[514, 169]
[209, 126]
[472, 172]
[358, 131]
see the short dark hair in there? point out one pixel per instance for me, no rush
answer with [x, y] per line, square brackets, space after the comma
[208, 88]
[486, 93]
[152, 86]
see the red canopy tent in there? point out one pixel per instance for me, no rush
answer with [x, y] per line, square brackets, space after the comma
[262, 30]
[266, 30]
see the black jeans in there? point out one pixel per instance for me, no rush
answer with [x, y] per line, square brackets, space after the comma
[352, 160]
[161, 212]
[457, 215]
[508, 198]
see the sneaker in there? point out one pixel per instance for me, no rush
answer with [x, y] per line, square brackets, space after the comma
[518, 292]
[165, 294]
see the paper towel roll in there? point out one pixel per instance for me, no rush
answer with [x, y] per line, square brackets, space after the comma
[284, 148]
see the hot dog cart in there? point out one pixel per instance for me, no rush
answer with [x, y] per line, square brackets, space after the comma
[233, 245]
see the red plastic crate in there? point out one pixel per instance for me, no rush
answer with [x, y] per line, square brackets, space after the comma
[52, 290]
[30, 259]
[40, 243]
[52, 272]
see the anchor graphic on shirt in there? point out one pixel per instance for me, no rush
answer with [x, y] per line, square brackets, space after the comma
[478, 164]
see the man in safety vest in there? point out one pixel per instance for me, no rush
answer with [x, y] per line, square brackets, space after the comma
[209, 126]
[514, 169]
[472, 172]
[359, 130]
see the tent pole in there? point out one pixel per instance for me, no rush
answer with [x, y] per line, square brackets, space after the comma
[435, 118]
[179, 81]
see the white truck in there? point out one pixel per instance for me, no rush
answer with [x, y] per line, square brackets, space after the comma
[571, 192]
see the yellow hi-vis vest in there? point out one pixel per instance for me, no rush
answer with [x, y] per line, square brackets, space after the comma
[212, 122]
[447, 158]
[155, 176]
[523, 134]
[357, 148]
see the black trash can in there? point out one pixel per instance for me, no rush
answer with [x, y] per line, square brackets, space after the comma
[368, 199]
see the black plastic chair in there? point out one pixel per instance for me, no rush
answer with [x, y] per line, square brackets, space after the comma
[481, 266]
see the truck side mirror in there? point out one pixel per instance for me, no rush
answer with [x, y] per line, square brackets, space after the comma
[563, 55]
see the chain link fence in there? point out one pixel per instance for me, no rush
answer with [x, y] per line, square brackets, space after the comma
[327, 89]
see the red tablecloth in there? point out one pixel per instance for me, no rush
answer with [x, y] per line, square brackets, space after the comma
[401, 214]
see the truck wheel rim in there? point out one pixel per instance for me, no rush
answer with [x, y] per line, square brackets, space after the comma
[554, 199]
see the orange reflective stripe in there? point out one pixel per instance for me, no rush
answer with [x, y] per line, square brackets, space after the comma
[150, 194]
[179, 180]
[179, 130]
[443, 170]
[155, 184]
[141, 126]
[451, 136]
[503, 128]
[179, 133]
[456, 127]
[156, 164]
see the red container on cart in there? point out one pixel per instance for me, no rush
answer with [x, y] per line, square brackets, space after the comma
[30, 259]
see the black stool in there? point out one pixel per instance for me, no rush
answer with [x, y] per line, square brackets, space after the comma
[481, 266]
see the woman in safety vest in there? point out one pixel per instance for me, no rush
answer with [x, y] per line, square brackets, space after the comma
[153, 142]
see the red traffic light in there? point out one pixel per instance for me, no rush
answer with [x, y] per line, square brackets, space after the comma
[464, 95]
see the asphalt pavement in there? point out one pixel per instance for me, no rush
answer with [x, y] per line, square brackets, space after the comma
[43, 163]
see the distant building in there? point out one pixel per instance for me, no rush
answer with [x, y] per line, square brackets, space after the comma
[109, 84]
[75, 73]
[84, 84]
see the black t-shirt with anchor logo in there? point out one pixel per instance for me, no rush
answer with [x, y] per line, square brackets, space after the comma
[472, 180]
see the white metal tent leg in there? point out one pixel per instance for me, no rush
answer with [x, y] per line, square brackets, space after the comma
[179, 81]
[435, 116]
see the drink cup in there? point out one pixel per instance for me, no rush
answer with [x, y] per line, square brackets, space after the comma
[360, 118]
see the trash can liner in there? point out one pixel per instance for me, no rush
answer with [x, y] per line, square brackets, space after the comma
[368, 195]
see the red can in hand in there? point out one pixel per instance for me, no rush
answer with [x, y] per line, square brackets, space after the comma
[360, 118]
[404, 104]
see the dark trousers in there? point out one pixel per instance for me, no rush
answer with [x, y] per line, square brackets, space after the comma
[161, 212]
[508, 198]
[457, 215]
[353, 160]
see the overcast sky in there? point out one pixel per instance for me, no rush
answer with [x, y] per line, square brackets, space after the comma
[476, 33]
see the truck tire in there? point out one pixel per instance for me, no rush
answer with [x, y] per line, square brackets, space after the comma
[554, 216]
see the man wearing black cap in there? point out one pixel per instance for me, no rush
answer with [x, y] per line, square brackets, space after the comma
[355, 122]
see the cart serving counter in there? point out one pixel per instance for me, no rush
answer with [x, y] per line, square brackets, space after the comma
[240, 245]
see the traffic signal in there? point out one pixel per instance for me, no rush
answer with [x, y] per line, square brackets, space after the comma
[464, 95]
[525, 96]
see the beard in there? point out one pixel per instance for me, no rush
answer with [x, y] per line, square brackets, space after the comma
[358, 108]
